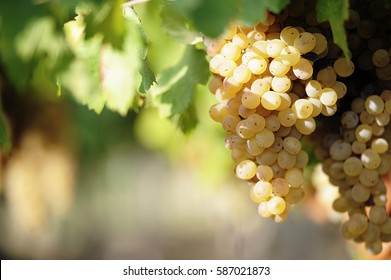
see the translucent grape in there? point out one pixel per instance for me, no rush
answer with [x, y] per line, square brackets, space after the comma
[378, 215]
[281, 84]
[246, 169]
[379, 145]
[256, 122]
[305, 42]
[257, 65]
[363, 133]
[264, 173]
[290, 55]
[276, 205]
[287, 117]
[231, 51]
[327, 77]
[270, 100]
[381, 58]
[250, 100]
[265, 138]
[305, 126]
[360, 193]
[321, 43]
[352, 166]
[263, 210]
[313, 88]
[343, 67]
[370, 159]
[280, 187]
[302, 108]
[303, 69]
[260, 86]
[226, 68]
[267, 158]
[374, 105]
[294, 176]
[349, 119]
[286, 160]
[340, 150]
[288, 35]
[328, 96]
[262, 191]
[274, 47]
[278, 68]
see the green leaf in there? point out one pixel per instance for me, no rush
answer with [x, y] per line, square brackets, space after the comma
[211, 17]
[276, 6]
[30, 38]
[147, 76]
[336, 12]
[5, 141]
[102, 75]
[187, 120]
[82, 79]
[176, 87]
[178, 26]
[253, 11]
[120, 71]
[109, 21]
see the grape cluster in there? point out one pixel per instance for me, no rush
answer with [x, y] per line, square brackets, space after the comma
[267, 100]
[358, 156]
[271, 81]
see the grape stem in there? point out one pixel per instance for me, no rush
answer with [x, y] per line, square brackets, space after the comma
[133, 3]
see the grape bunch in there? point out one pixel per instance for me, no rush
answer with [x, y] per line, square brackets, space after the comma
[267, 100]
[357, 158]
[273, 80]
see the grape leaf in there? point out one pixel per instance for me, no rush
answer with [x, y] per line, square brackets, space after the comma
[29, 36]
[5, 142]
[178, 26]
[336, 12]
[187, 120]
[253, 11]
[176, 87]
[211, 17]
[82, 78]
[109, 21]
[148, 77]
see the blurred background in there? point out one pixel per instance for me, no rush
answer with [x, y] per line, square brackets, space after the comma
[87, 186]
[82, 185]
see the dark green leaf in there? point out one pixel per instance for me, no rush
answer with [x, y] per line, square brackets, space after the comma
[336, 12]
[5, 141]
[147, 76]
[253, 11]
[178, 26]
[211, 17]
[276, 6]
[176, 86]
[30, 39]
[109, 21]
[187, 120]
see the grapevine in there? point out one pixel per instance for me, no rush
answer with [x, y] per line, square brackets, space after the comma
[275, 81]
[294, 83]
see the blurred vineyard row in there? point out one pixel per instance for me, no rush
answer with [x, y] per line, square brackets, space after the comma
[77, 185]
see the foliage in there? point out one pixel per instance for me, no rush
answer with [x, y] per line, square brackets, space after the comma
[98, 51]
